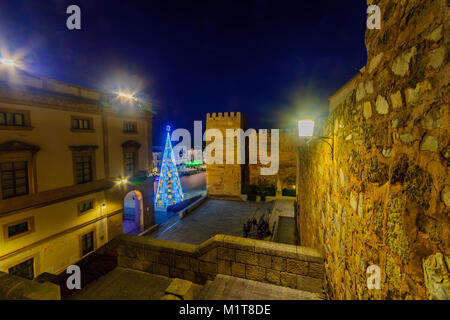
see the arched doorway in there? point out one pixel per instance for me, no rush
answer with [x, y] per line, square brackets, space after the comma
[132, 212]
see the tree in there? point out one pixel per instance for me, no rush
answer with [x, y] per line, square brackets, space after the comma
[169, 186]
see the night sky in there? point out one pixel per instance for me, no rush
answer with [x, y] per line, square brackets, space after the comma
[275, 61]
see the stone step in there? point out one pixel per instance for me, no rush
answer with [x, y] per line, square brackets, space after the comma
[232, 288]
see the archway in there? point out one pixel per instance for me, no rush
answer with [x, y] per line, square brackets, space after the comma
[132, 212]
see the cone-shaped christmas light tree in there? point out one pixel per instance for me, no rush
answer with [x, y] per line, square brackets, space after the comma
[169, 187]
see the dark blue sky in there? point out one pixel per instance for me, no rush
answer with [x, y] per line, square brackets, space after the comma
[275, 61]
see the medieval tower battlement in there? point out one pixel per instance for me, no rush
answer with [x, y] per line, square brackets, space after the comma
[225, 181]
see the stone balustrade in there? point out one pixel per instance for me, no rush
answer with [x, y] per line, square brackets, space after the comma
[17, 288]
[281, 264]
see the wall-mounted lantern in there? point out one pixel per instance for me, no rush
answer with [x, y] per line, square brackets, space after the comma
[306, 130]
[121, 181]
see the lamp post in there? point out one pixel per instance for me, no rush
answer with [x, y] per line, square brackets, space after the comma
[306, 130]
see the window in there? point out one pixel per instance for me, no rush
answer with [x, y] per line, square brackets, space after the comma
[14, 179]
[87, 243]
[24, 269]
[130, 157]
[83, 158]
[130, 127]
[85, 206]
[12, 119]
[82, 124]
[83, 168]
[18, 229]
[130, 163]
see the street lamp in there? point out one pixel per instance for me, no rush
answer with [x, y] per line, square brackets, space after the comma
[306, 130]
[8, 62]
[126, 95]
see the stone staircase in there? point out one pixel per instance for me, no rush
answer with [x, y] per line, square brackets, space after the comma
[225, 287]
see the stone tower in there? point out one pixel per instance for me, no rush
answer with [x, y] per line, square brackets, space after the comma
[224, 181]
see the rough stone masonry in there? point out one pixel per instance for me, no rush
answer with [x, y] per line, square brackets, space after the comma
[384, 198]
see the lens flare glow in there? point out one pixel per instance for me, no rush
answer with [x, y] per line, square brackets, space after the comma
[305, 128]
[9, 62]
[126, 95]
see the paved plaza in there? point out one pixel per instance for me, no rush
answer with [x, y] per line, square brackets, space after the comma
[211, 218]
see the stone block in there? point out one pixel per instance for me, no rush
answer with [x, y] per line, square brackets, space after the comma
[429, 143]
[297, 266]
[166, 258]
[161, 269]
[148, 254]
[400, 66]
[208, 267]
[146, 266]
[128, 251]
[175, 272]
[396, 100]
[316, 270]
[200, 278]
[226, 253]
[273, 276]
[193, 264]
[436, 276]
[436, 57]
[288, 280]
[264, 260]
[255, 273]
[189, 275]
[181, 288]
[131, 263]
[276, 249]
[279, 263]
[208, 245]
[238, 270]
[209, 256]
[239, 243]
[182, 262]
[367, 111]
[224, 267]
[246, 257]
[309, 284]
[382, 105]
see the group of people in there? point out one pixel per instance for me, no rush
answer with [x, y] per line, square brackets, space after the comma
[254, 229]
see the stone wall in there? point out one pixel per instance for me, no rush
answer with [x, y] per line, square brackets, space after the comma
[384, 197]
[17, 288]
[276, 263]
[286, 176]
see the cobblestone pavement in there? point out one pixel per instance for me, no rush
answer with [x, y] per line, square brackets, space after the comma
[125, 284]
[211, 218]
[231, 288]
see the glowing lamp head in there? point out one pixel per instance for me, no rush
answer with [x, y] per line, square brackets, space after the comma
[305, 128]
[168, 128]
[126, 95]
[8, 62]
